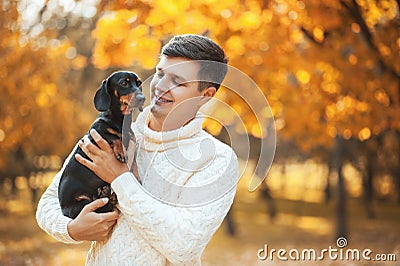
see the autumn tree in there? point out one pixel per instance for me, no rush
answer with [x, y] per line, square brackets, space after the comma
[38, 115]
[329, 69]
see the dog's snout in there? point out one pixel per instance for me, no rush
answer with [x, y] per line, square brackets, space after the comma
[140, 100]
[140, 97]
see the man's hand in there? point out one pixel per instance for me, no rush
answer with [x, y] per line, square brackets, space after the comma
[92, 226]
[104, 163]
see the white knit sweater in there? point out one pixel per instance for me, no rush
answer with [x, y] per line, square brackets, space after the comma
[170, 218]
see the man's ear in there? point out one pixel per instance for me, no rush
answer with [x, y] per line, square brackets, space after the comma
[207, 94]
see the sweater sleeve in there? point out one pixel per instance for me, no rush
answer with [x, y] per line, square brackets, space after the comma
[49, 215]
[179, 233]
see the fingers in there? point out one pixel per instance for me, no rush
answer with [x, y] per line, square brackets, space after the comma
[85, 162]
[103, 144]
[88, 147]
[94, 205]
[110, 216]
[92, 226]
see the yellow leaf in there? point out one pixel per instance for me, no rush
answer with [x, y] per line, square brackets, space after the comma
[364, 134]
[41, 99]
[172, 8]
[296, 36]
[250, 20]
[235, 45]
[79, 62]
[303, 76]
[256, 131]
[193, 21]
[318, 34]
[213, 127]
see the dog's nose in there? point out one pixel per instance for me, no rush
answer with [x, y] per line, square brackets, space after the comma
[140, 97]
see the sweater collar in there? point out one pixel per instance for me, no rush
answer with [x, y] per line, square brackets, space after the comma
[153, 140]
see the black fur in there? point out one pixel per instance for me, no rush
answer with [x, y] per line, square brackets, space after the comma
[79, 185]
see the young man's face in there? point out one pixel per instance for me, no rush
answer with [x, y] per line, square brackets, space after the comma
[174, 91]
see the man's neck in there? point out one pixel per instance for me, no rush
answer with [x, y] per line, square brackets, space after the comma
[155, 124]
[163, 125]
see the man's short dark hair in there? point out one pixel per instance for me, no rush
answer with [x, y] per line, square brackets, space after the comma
[197, 47]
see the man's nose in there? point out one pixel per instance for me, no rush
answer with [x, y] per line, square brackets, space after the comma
[162, 86]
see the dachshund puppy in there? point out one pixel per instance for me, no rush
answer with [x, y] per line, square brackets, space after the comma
[115, 98]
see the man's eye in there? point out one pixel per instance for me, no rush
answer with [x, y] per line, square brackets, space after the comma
[177, 83]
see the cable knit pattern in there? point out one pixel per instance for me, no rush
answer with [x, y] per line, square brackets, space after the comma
[170, 218]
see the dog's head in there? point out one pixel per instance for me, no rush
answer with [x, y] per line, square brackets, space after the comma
[120, 91]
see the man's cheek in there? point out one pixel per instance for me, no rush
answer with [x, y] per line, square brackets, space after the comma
[152, 90]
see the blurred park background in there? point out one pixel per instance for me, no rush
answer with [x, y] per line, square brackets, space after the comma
[330, 70]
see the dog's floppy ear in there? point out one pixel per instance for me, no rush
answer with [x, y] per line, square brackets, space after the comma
[102, 99]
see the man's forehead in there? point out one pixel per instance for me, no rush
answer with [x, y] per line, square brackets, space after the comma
[179, 66]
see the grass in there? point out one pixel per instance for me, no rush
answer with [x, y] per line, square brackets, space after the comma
[297, 225]
[303, 225]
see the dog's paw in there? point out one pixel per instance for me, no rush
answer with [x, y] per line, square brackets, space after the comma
[104, 192]
[113, 199]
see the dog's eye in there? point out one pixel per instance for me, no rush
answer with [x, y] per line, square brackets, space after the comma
[123, 83]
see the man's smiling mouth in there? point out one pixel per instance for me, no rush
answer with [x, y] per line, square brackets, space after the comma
[162, 100]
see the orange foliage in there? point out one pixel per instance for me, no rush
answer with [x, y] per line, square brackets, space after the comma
[326, 67]
[308, 57]
[35, 107]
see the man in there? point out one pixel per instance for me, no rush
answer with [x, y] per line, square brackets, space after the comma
[187, 177]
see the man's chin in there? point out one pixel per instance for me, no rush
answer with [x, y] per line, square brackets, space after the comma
[157, 110]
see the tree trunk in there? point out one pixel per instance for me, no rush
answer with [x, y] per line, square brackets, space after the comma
[368, 189]
[230, 226]
[327, 190]
[341, 230]
[397, 169]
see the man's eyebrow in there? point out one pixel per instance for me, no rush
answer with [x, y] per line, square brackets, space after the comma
[179, 77]
[172, 74]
